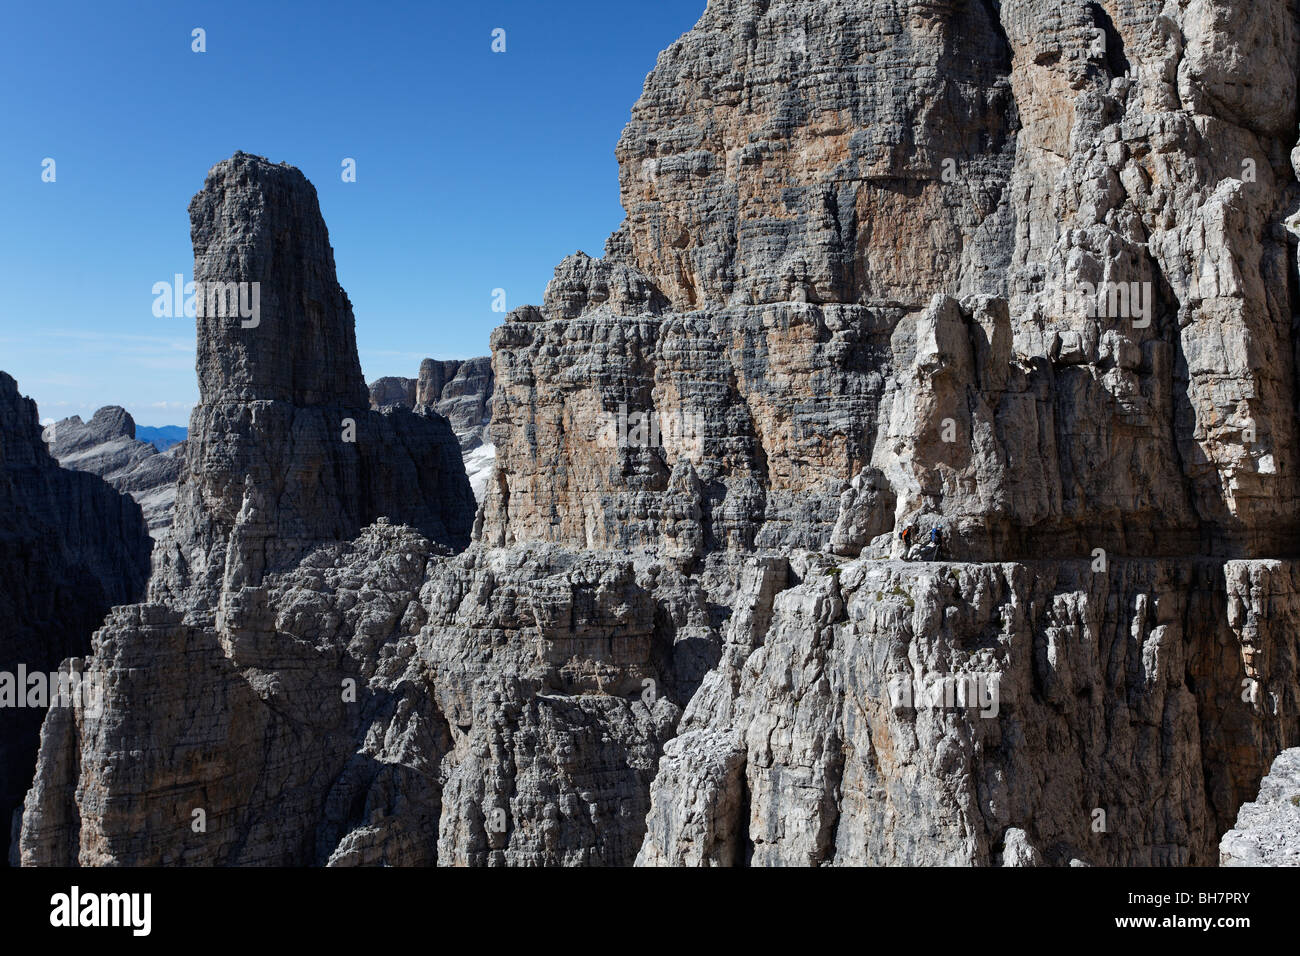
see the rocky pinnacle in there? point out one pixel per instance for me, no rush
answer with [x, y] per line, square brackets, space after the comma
[284, 451]
[258, 224]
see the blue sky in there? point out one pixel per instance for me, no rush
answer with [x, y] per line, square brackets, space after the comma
[475, 170]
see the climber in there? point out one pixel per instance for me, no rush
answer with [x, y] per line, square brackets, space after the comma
[906, 537]
[934, 552]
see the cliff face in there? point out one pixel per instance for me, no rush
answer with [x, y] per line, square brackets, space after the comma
[107, 446]
[1080, 717]
[70, 548]
[1018, 272]
[461, 392]
[392, 390]
[858, 229]
[376, 705]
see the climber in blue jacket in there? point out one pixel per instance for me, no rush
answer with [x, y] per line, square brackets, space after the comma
[935, 547]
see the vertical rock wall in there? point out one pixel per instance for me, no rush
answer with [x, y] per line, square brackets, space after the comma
[1019, 272]
[70, 548]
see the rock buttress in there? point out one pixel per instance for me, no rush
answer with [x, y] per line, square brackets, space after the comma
[71, 547]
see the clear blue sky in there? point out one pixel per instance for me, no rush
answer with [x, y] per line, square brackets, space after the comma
[475, 170]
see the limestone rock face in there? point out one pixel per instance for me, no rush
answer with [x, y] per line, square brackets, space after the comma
[1029, 264]
[392, 390]
[462, 393]
[284, 457]
[412, 708]
[256, 222]
[1020, 274]
[464, 398]
[253, 722]
[1268, 829]
[1016, 272]
[459, 391]
[107, 446]
[977, 714]
[774, 141]
[70, 548]
[433, 378]
[284, 451]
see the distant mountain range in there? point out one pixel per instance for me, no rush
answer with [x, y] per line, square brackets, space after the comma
[162, 437]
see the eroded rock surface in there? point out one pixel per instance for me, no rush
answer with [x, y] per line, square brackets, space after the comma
[284, 455]
[461, 392]
[1018, 273]
[860, 238]
[284, 451]
[392, 390]
[70, 548]
[886, 713]
[1268, 828]
[398, 698]
[107, 446]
